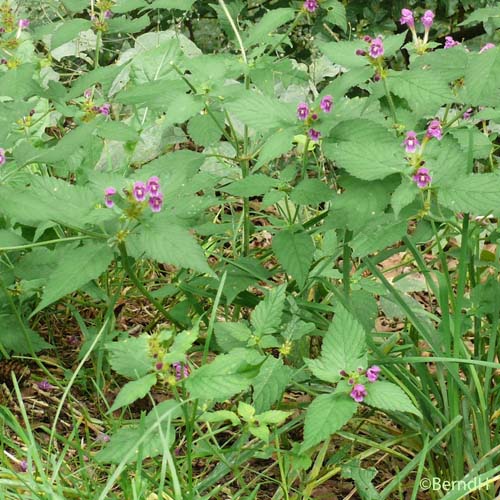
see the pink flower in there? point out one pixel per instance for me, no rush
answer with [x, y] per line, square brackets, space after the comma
[102, 437]
[23, 23]
[44, 385]
[311, 5]
[468, 114]
[153, 185]
[140, 190]
[108, 14]
[302, 111]
[326, 103]
[360, 52]
[314, 134]
[428, 19]
[449, 42]
[377, 48]
[372, 373]
[108, 196]
[407, 18]
[358, 393]
[2, 156]
[23, 466]
[434, 130]
[105, 109]
[87, 94]
[488, 46]
[422, 178]
[411, 142]
[156, 202]
[180, 371]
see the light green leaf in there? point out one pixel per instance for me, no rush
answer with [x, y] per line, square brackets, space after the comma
[389, 397]
[231, 335]
[252, 185]
[311, 192]
[404, 194]
[276, 145]
[220, 416]
[344, 53]
[133, 391]
[326, 415]
[172, 4]
[271, 20]
[182, 343]
[203, 130]
[266, 317]
[273, 417]
[294, 251]
[117, 131]
[363, 479]
[122, 6]
[336, 13]
[124, 25]
[481, 15]
[130, 357]
[344, 348]
[262, 432]
[246, 411]
[68, 31]
[76, 268]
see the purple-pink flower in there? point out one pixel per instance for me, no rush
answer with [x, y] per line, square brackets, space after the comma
[411, 142]
[428, 19]
[372, 373]
[302, 111]
[407, 18]
[87, 94]
[105, 109]
[23, 23]
[108, 14]
[180, 371]
[108, 196]
[314, 134]
[488, 46]
[2, 156]
[102, 437]
[467, 114]
[44, 385]
[358, 393]
[140, 191]
[449, 42]
[377, 48]
[435, 130]
[23, 466]
[311, 5]
[360, 52]
[422, 177]
[326, 103]
[156, 202]
[153, 185]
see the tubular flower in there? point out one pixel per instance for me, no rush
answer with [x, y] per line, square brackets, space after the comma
[302, 111]
[372, 373]
[153, 185]
[314, 134]
[449, 42]
[488, 46]
[311, 5]
[422, 178]
[326, 103]
[156, 202]
[435, 130]
[358, 393]
[428, 19]
[407, 18]
[377, 48]
[411, 142]
[108, 196]
[140, 190]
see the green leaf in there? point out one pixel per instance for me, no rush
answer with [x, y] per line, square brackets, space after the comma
[326, 415]
[481, 16]
[246, 411]
[266, 317]
[182, 343]
[424, 93]
[336, 13]
[253, 185]
[404, 194]
[220, 416]
[446, 64]
[226, 376]
[363, 479]
[273, 417]
[117, 131]
[389, 397]
[68, 31]
[124, 25]
[76, 268]
[270, 384]
[18, 340]
[19, 83]
[262, 432]
[481, 144]
[311, 192]
[203, 130]
[75, 5]
[344, 53]
[130, 357]
[9, 238]
[366, 150]
[133, 391]
[344, 348]
[261, 32]
[476, 193]
[172, 4]
[231, 335]
[294, 251]
[122, 6]
[276, 145]
[167, 244]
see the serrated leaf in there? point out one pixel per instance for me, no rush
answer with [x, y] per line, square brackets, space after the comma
[68, 31]
[168, 244]
[252, 185]
[231, 335]
[122, 6]
[389, 397]
[117, 131]
[18, 340]
[130, 357]
[124, 25]
[77, 267]
[269, 22]
[224, 377]
[294, 251]
[276, 145]
[273, 417]
[311, 192]
[262, 432]
[172, 4]
[133, 391]
[325, 416]
[266, 317]
[481, 15]
[203, 130]
[270, 384]
[344, 348]
[220, 416]
[404, 194]
[344, 53]
[482, 78]
[336, 13]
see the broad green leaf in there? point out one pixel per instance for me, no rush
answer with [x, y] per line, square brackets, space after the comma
[133, 391]
[276, 145]
[203, 130]
[182, 342]
[124, 25]
[270, 384]
[117, 131]
[482, 78]
[172, 4]
[326, 415]
[9, 238]
[481, 144]
[476, 193]
[404, 194]
[446, 160]
[220, 416]
[481, 16]
[246, 411]
[231, 335]
[252, 185]
[311, 192]
[158, 94]
[336, 13]
[18, 340]
[344, 348]
[446, 64]
[19, 83]
[366, 150]
[167, 244]
[130, 357]
[68, 31]
[76, 268]
[363, 479]
[273, 417]
[122, 6]
[75, 5]
[226, 376]
[272, 20]
[389, 397]
[344, 53]
[294, 251]
[261, 431]
[266, 317]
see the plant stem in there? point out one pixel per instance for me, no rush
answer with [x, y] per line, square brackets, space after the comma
[389, 99]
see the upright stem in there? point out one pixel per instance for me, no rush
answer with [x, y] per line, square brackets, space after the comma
[389, 99]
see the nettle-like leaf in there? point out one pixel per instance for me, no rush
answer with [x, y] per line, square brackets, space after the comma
[344, 348]
[266, 317]
[130, 357]
[325, 416]
[232, 335]
[294, 251]
[252, 185]
[482, 78]
[272, 20]
[389, 397]
[365, 149]
[226, 376]
[132, 391]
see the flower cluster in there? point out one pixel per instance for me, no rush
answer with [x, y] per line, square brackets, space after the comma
[140, 191]
[311, 5]
[408, 19]
[104, 14]
[359, 379]
[375, 53]
[308, 115]
[92, 109]
[180, 371]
